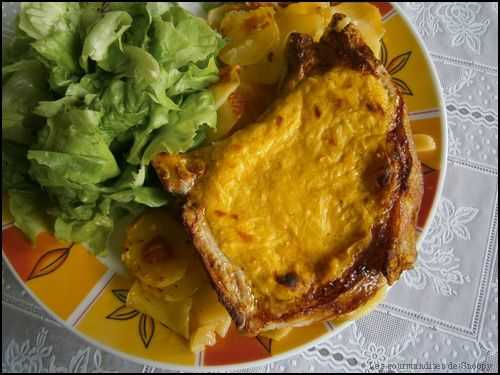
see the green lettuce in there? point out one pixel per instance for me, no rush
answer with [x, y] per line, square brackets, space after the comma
[24, 84]
[159, 117]
[179, 135]
[84, 149]
[55, 30]
[137, 34]
[40, 20]
[195, 78]
[180, 38]
[123, 105]
[29, 209]
[15, 166]
[102, 35]
[93, 232]
[91, 93]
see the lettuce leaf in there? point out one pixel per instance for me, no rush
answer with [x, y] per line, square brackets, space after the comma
[148, 196]
[84, 149]
[159, 117]
[93, 232]
[158, 90]
[198, 110]
[29, 207]
[25, 85]
[49, 109]
[40, 20]
[123, 106]
[141, 64]
[60, 48]
[54, 27]
[180, 38]
[137, 34]
[15, 167]
[102, 35]
[195, 78]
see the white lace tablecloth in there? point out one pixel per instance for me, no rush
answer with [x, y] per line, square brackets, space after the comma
[442, 315]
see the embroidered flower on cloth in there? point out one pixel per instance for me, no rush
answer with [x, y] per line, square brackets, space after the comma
[460, 20]
[452, 221]
[375, 356]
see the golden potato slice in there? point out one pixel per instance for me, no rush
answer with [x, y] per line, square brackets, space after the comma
[228, 106]
[215, 15]
[267, 71]
[252, 35]
[228, 83]
[309, 18]
[362, 310]
[207, 311]
[367, 19]
[194, 278]
[202, 336]
[255, 98]
[243, 107]
[424, 142]
[305, 18]
[157, 249]
[277, 334]
[208, 318]
[227, 116]
[175, 315]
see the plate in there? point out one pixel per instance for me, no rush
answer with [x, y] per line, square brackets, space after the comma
[89, 298]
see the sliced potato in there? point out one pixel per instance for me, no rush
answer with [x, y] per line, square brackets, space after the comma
[215, 15]
[309, 18]
[208, 318]
[157, 249]
[228, 106]
[228, 83]
[202, 336]
[227, 117]
[367, 19]
[364, 309]
[207, 311]
[267, 71]
[222, 326]
[305, 18]
[252, 35]
[243, 107]
[194, 278]
[424, 142]
[255, 98]
[175, 315]
[277, 334]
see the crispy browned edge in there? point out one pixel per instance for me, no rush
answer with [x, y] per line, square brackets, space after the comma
[393, 248]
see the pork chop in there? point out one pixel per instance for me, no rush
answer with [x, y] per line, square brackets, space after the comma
[309, 212]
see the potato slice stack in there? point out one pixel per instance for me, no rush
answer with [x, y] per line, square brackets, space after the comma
[171, 284]
[257, 35]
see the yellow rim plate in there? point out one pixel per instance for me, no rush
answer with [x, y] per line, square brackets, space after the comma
[82, 294]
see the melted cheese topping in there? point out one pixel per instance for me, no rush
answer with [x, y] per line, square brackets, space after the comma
[292, 199]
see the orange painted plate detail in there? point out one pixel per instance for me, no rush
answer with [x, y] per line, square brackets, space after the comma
[235, 348]
[110, 321]
[59, 273]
